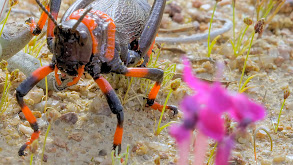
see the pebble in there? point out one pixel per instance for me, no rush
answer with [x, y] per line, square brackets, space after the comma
[205, 7]
[25, 130]
[52, 115]
[163, 155]
[140, 148]
[45, 158]
[59, 142]
[265, 162]
[196, 3]
[35, 95]
[196, 15]
[70, 118]
[157, 160]
[279, 158]
[102, 152]
[77, 136]
[178, 17]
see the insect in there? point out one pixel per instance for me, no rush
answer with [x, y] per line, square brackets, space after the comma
[97, 37]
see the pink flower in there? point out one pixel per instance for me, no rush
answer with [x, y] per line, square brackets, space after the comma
[223, 150]
[204, 111]
[180, 133]
[211, 124]
[245, 110]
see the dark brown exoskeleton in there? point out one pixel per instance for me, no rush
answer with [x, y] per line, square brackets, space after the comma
[97, 37]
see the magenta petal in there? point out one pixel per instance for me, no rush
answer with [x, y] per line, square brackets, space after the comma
[224, 150]
[211, 124]
[190, 107]
[219, 100]
[245, 109]
[180, 133]
[193, 82]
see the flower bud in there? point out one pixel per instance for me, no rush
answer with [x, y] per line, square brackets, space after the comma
[14, 75]
[286, 93]
[247, 21]
[3, 65]
[13, 2]
[175, 84]
[258, 28]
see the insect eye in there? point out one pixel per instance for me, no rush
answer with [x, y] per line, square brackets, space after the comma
[83, 38]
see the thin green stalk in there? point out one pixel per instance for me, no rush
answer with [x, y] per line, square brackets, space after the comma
[233, 6]
[211, 21]
[6, 18]
[244, 67]
[46, 135]
[32, 158]
[254, 138]
[162, 113]
[270, 6]
[129, 85]
[4, 93]
[276, 129]
[212, 153]
[241, 38]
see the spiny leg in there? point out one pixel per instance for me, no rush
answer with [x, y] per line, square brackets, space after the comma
[155, 75]
[21, 91]
[115, 107]
[151, 29]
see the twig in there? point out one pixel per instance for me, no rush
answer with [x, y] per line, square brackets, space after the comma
[197, 37]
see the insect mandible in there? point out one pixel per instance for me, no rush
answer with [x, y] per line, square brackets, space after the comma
[97, 37]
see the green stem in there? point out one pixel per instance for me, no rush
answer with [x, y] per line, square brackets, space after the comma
[270, 6]
[233, 6]
[241, 38]
[244, 67]
[163, 110]
[212, 153]
[5, 21]
[46, 135]
[211, 21]
[3, 93]
[276, 129]
[129, 85]
[32, 158]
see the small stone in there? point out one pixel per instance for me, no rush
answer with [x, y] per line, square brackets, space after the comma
[279, 158]
[205, 7]
[157, 160]
[196, 3]
[163, 155]
[279, 61]
[196, 15]
[260, 134]
[203, 27]
[52, 115]
[25, 130]
[37, 114]
[102, 152]
[178, 17]
[280, 128]
[59, 142]
[77, 136]
[265, 162]
[140, 148]
[45, 158]
[70, 118]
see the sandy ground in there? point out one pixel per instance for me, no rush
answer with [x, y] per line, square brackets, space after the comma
[89, 140]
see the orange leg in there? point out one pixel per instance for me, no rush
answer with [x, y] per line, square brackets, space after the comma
[115, 107]
[76, 79]
[21, 91]
[155, 75]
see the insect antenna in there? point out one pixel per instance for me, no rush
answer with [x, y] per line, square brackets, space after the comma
[46, 11]
[81, 18]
